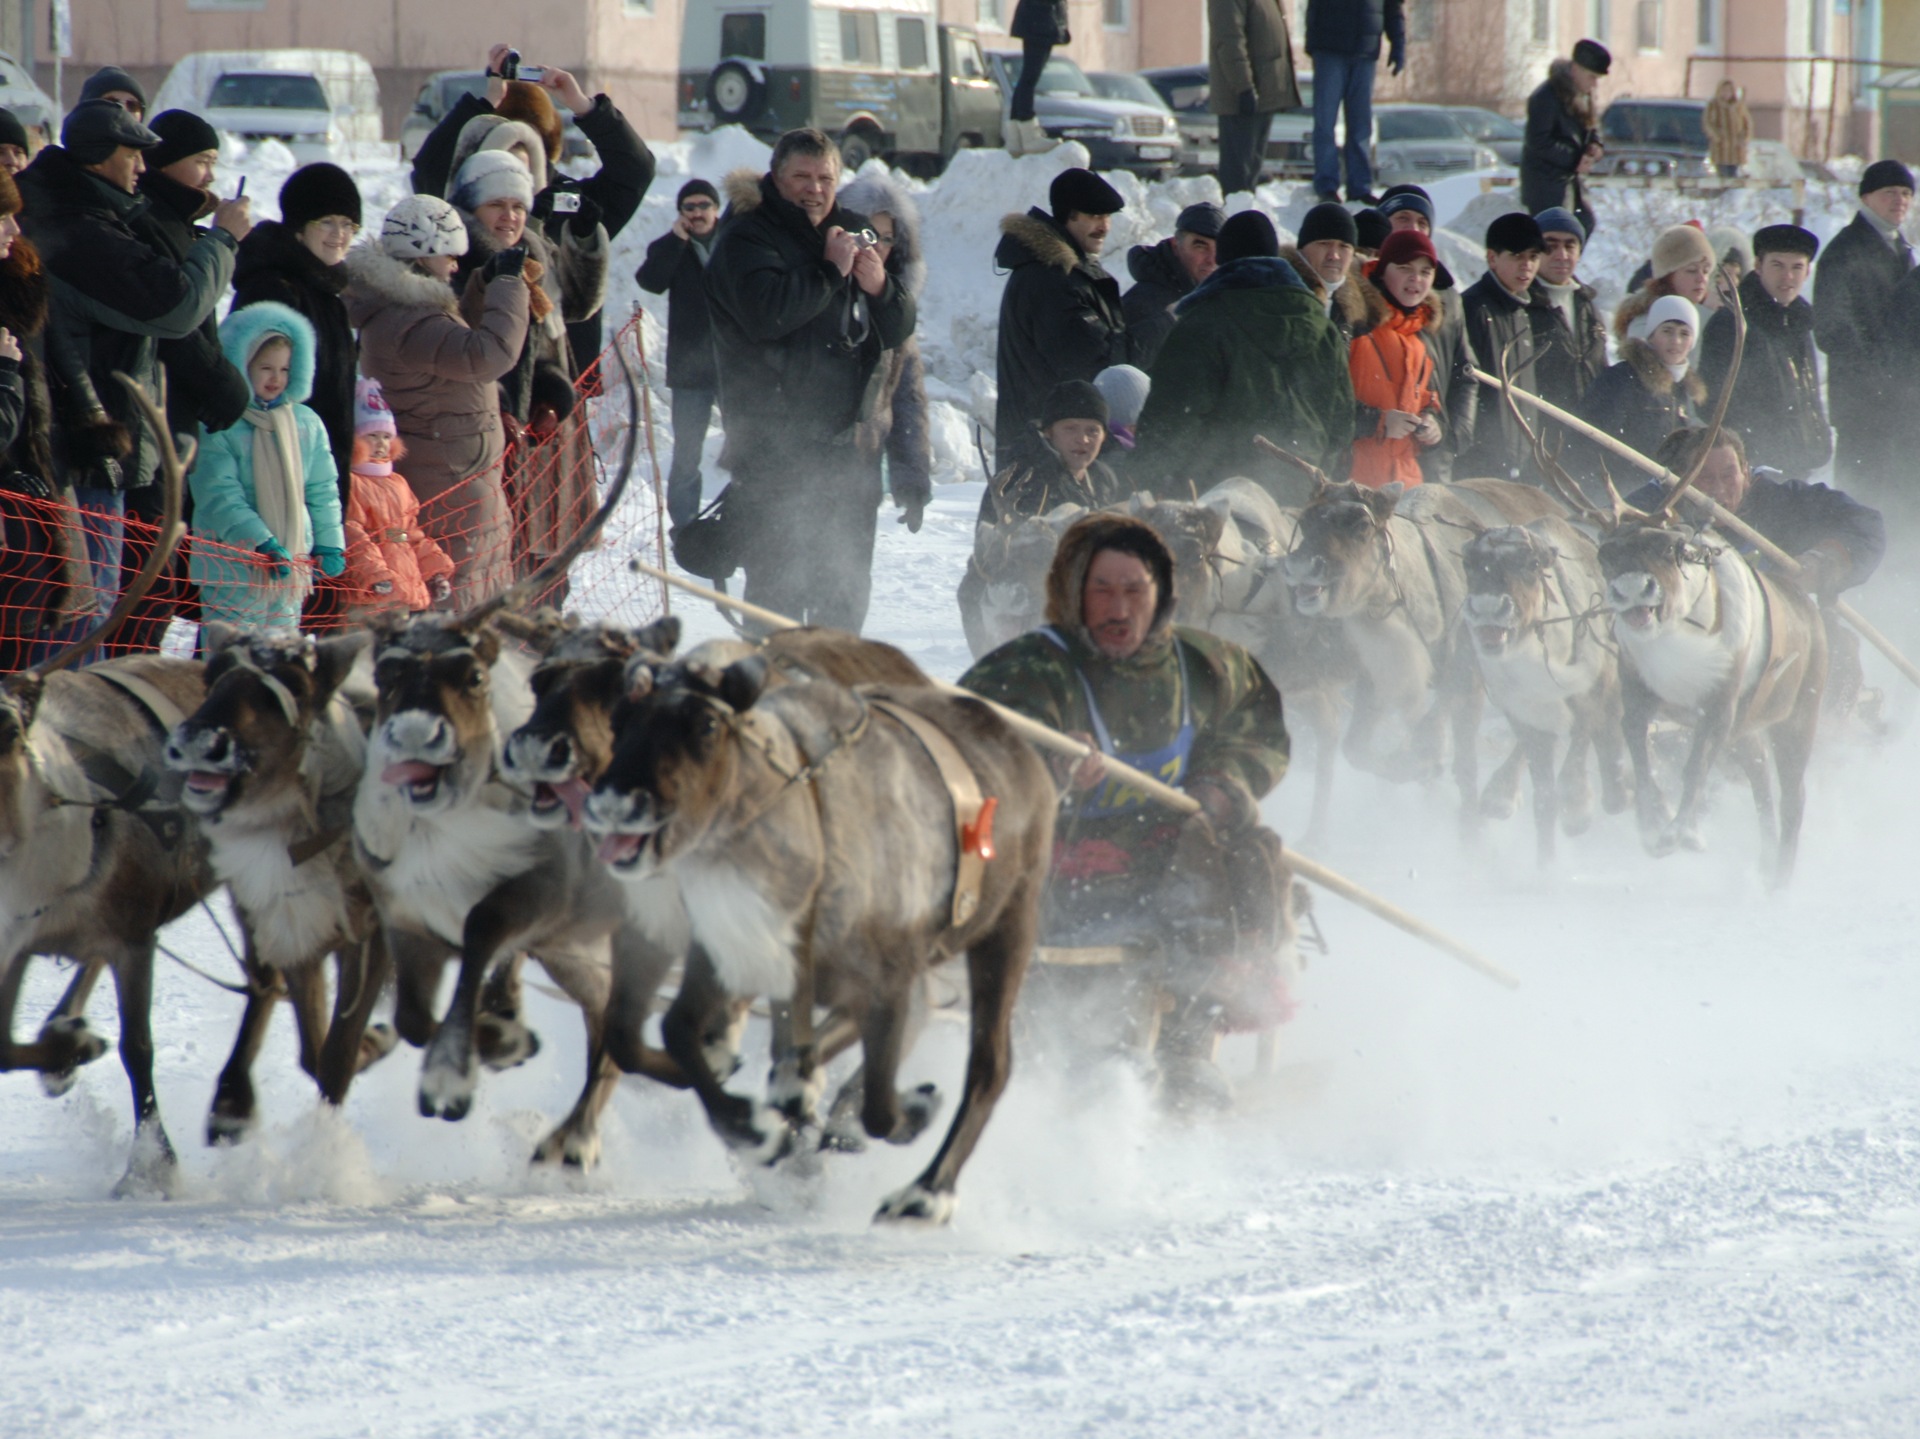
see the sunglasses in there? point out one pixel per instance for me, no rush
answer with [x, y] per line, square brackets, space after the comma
[698, 207]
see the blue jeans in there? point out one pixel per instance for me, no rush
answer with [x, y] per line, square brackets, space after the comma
[104, 518]
[1342, 80]
[692, 414]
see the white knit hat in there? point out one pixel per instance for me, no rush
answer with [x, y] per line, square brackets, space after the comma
[1667, 307]
[1125, 390]
[423, 225]
[492, 175]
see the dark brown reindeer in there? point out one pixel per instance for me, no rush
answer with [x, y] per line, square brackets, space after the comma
[271, 760]
[91, 863]
[826, 844]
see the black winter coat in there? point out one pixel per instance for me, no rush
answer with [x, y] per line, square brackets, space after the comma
[1159, 279]
[204, 387]
[1853, 322]
[1798, 517]
[275, 266]
[1061, 318]
[677, 268]
[1459, 391]
[795, 368]
[1041, 20]
[1495, 321]
[1354, 27]
[1636, 401]
[1776, 400]
[1560, 123]
[1567, 359]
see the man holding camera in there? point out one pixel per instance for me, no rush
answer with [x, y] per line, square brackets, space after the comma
[1563, 136]
[676, 266]
[803, 310]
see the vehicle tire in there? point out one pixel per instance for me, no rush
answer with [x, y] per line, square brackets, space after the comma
[733, 94]
[856, 148]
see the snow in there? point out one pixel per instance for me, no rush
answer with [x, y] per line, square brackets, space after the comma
[1667, 1188]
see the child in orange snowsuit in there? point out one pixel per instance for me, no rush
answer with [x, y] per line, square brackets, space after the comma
[391, 562]
[1397, 408]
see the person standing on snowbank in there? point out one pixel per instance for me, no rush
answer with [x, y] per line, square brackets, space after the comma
[1250, 80]
[1563, 137]
[676, 266]
[1853, 321]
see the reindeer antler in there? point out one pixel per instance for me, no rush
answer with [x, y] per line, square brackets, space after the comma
[1562, 484]
[173, 471]
[1739, 314]
[1318, 475]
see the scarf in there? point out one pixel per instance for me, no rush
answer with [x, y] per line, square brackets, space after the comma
[1563, 297]
[1896, 241]
[280, 483]
[373, 469]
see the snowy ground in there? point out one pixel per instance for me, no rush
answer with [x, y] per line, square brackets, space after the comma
[1671, 1187]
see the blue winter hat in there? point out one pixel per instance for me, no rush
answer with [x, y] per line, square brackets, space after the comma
[1558, 220]
[245, 330]
[1408, 199]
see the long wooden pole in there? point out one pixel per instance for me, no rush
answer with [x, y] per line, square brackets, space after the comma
[1725, 518]
[1046, 737]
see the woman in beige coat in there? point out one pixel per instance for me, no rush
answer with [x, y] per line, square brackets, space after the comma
[440, 375]
[1729, 129]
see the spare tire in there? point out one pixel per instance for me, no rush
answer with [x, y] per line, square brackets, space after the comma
[734, 92]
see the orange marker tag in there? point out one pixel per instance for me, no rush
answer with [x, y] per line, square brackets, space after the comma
[977, 838]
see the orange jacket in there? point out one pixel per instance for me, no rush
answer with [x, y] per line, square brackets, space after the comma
[1392, 370]
[386, 544]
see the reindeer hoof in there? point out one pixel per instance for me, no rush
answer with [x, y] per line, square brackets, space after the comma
[569, 1149]
[761, 1136]
[73, 1043]
[1497, 805]
[446, 1091]
[153, 1171]
[504, 1043]
[917, 1111]
[843, 1139]
[225, 1129]
[1688, 836]
[796, 1097]
[376, 1044]
[915, 1205]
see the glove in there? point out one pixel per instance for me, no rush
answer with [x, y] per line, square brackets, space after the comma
[279, 562]
[333, 563]
[913, 513]
[1823, 569]
[1396, 60]
[507, 262]
[1249, 102]
[584, 221]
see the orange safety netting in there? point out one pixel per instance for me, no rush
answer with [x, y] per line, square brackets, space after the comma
[497, 526]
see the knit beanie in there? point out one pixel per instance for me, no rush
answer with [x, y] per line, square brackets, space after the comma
[1371, 229]
[1404, 245]
[94, 129]
[531, 105]
[1678, 247]
[372, 415]
[1785, 239]
[182, 133]
[1328, 221]
[696, 187]
[1204, 218]
[1125, 390]
[422, 225]
[1407, 197]
[1074, 400]
[1077, 191]
[108, 79]
[1882, 174]
[314, 192]
[492, 175]
[12, 132]
[1561, 221]
[1667, 307]
[1246, 235]
[1513, 233]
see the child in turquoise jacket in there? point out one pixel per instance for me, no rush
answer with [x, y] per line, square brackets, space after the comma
[266, 495]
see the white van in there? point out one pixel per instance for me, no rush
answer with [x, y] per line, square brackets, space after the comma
[319, 103]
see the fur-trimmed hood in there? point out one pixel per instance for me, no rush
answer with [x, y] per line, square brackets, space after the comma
[747, 190]
[872, 195]
[1380, 307]
[1653, 373]
[1250, 272]
[1581, 107]
[1349, 301]
[376, 281]
[242, 332]
[1067, 577]
[1036, 238]
[496, 132]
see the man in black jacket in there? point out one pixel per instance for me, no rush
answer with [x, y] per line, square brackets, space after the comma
[1776, 403]
[1166, 273]
[676, 266]
[1343, 39]
[802, 312]
[1853, 322]
[1061, 316]
[1502, 320]
[1562, 137]
[1571, 343]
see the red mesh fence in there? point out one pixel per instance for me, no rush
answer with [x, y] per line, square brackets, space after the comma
[497, 526]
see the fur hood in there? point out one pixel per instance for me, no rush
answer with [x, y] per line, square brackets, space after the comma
[243, 330]
[25, 291]
[1036, 238]
[881, 194]
[1632, 308]
[376, 281]
[1380, 309]
[746, 191]
[1067, 578]
[1349, 301]
[1653, 373]
[496, 132]
[1581, 107]
[741, 189]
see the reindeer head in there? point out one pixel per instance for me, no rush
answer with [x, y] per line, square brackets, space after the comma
[248, 739]
[1193, 534]
[433, 731]
[581, 679]
[1654, 572]
[1507, 572]
[1343, 556]
[673, 762]
[1013, 556]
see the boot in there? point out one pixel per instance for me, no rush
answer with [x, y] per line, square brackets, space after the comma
[1191, 1081]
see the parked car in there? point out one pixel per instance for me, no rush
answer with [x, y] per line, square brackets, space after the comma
[886, 79]
[443, 91]
[1654, 139]
[1499, 134]
[1118, 134]
[316, 102]
[1187, 90]
[31, 106]
[1416, 143]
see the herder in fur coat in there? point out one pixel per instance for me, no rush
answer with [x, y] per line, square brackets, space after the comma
[1253, 354]
[1061, 316]
[265, 498]
[1562, 138]
[802, 320]
[1397, 410]
[894, 432]
[551, 471]
[1652, 391]
[439, 374]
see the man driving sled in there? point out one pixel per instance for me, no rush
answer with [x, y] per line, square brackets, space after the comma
[1200, 902]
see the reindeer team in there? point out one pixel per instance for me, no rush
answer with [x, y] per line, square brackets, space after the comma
[807, 819]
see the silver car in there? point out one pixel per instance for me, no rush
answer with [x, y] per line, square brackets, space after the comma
[1416, 143]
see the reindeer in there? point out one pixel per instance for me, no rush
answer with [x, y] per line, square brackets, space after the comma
[834, 844]
[1386, 567]
[271, 761]
[92, 863]
[1545, 669]
[1004, 591]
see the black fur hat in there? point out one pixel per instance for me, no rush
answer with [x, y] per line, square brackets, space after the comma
[316, 191]
[1787, 239]
[1082, 192]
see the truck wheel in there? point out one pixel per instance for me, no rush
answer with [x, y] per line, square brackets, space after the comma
[733, 93]
[856, 148]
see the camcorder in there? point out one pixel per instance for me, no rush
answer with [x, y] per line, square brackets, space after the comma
[511, 69]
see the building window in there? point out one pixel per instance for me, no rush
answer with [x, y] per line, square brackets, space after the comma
[744, 34]
[1707, 37]
[859, 37]
[1542, 22]
[1114, 13]
[991, 14]
[1602, 21]
[911, 34]
[226, 4]
[1817, 27]
[639, 7]
[1648, 21]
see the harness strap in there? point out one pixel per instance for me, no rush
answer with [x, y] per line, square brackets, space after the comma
[971, 846]
[146, 693]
